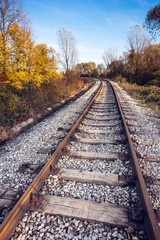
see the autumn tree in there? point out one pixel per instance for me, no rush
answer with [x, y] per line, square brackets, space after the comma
[152, 21]
[151, 60]
[11, 12]
[92, 69]
[115, 68]
[87, 69]
[138, 40]
[19, 60]
[68, 51]
[44, 65]
[109, 56]
[101, 69]
[28, 65]
[140, 64]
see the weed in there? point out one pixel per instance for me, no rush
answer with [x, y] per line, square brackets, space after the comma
[16, 106]
[149, 95]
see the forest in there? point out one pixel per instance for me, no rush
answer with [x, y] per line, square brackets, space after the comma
[35, 76]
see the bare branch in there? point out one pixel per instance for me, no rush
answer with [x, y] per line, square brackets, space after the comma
[68, 51]
[109, 56]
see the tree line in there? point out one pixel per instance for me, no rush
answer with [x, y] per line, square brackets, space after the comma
[140, 64]
[27, 65]
[30, 77]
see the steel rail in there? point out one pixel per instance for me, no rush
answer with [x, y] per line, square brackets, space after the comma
[150, 219]
[11, 221]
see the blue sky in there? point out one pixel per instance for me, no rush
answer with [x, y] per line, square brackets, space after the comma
[97, 25]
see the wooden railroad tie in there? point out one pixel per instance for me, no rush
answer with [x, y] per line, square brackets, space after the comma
[97, 141]
[100, 124]
[92, 177]
[95, 155]
[111, 214]
[97, 131]
[102, 119]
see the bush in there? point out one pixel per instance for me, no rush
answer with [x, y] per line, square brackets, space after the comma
[120, 79]
[147, 94]
[18, 105]
[11, 108]
[154, 95]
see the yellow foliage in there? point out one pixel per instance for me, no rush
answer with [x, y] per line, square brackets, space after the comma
[44, 66]
[27, 65]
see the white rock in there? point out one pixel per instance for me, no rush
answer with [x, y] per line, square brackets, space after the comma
[30, 121]
[76, 223]
[24, 219]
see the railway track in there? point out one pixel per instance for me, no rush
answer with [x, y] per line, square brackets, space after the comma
[93, 180]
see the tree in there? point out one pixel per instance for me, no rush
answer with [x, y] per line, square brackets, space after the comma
[152, 21]
[19, 59]
[87, 69]
[92, 69]
[152, 57]
[109, 56]
[152, 64]
[44, 65]
[101, 69]
[29, 66]
[138, 40]
[11, 12]
[115, 68]
[68, 51]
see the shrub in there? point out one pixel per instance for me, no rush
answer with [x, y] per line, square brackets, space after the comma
[11, 108]
[18, 105]
[148, 94]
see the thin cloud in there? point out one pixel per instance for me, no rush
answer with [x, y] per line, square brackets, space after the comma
[109, 22]
[38, 4]
[143, 2]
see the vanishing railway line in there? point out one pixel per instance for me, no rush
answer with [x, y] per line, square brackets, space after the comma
[89, 177]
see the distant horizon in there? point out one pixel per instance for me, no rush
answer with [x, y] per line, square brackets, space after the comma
[97, 25]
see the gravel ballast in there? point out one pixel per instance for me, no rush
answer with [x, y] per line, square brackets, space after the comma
[60, 228]
[104, 166]
[45, 135]
[146, 143]
[36, 145]
[42, 141]
[126, 196]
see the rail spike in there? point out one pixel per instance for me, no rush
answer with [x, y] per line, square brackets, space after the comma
[35, 200]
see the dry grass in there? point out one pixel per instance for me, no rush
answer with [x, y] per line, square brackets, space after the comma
[17, 106]
[150, 95]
